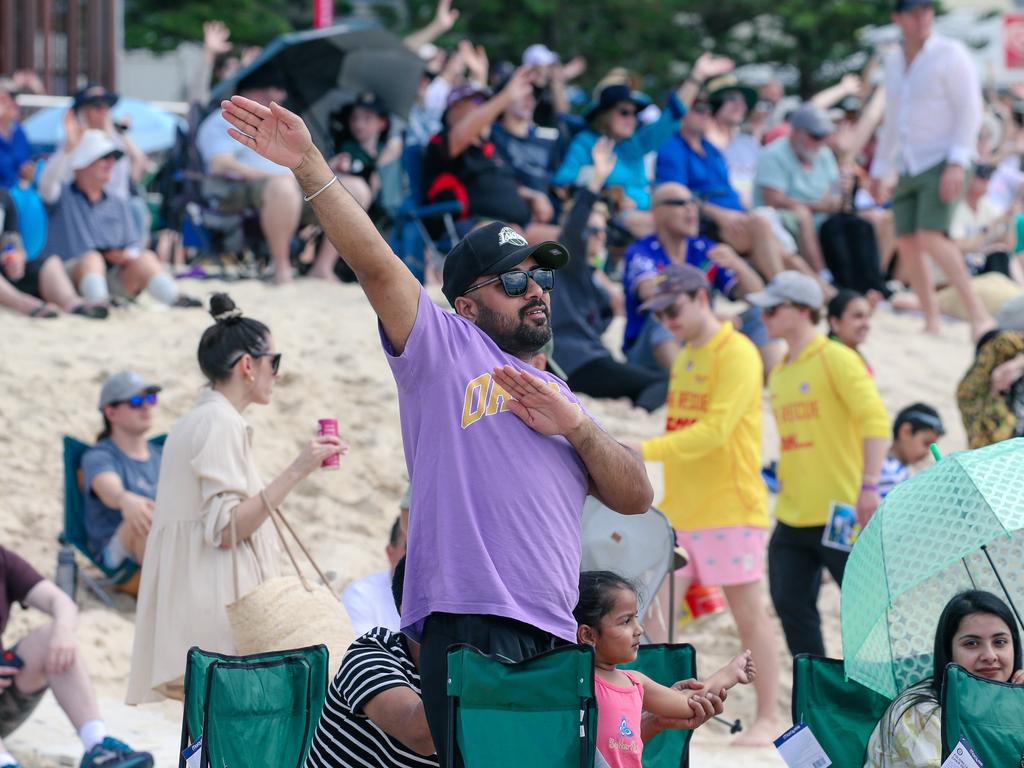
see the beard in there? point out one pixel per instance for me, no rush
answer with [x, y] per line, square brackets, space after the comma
[515, 335]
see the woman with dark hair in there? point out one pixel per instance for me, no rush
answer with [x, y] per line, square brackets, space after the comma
[849, 320]
[209, 494]
[977, 631]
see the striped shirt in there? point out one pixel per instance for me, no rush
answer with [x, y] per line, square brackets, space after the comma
[894, 472]
[345, 737]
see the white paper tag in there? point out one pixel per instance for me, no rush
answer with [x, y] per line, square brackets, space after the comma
[193, 754]
[800, 749]
[963, 756]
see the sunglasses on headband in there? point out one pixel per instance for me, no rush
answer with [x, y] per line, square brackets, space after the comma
[516, 281]
[275, 359]
[137, 401]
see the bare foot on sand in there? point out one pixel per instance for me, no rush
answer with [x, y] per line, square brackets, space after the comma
[761, 734]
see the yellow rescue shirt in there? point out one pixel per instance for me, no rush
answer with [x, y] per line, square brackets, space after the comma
[712, 446]
[825, 404]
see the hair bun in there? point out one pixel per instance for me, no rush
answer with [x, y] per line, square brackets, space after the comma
[223, 309]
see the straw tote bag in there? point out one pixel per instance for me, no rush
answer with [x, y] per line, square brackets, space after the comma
[288, 612]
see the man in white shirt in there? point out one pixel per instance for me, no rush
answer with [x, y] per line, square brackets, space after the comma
[928, 137]
[368, 601]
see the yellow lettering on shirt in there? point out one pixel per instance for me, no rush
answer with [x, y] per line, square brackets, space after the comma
[474, 404]
[800, 411]
[497, 399]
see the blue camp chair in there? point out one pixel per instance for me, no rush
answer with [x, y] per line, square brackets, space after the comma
[410, 237]
[74, 535]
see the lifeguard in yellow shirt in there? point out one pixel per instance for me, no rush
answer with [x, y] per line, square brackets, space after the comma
[833, 433]
[714, 494]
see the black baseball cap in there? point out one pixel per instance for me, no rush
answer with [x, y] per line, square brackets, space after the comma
[490, 250]
[903, 6]
[93, 94]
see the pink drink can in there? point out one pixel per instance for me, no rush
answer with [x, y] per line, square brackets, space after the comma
[329, 427]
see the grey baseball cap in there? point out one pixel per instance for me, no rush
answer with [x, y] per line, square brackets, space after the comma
[673, 282]
[122, 386]
[792, 287]
[812, 120]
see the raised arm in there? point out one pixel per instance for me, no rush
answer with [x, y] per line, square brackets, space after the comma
[444, 19]
[469, 128]
[282, 137]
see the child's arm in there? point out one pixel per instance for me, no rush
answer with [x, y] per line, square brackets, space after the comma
[667, 702]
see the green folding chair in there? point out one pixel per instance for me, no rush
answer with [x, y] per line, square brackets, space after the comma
[539, 713]
[666, 664]
[253, 710]
[990, 714]
[74, 534]
[840, 712]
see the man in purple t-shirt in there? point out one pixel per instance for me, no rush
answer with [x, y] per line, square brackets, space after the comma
[500, 455]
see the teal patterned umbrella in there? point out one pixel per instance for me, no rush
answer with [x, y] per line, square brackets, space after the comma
[955, 526]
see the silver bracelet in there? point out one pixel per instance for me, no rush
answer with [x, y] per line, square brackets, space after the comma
[307, 198]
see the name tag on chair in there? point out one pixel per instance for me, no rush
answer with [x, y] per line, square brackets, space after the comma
[963, 756]
[799, 748]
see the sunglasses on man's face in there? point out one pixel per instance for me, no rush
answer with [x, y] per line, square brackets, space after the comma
[679, 202]
[137, 401]
[589, 232]
[516, 281]
[769, 311]
[626, 112]
[671, 312]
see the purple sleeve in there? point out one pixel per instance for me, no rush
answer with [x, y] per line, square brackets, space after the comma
[433, 341]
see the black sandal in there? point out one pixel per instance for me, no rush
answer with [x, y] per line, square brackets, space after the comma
[44, 311]
[91, 311]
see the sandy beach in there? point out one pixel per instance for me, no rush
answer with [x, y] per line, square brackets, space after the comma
[332, 366]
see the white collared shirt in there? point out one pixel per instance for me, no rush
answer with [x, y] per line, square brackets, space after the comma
[933, 109]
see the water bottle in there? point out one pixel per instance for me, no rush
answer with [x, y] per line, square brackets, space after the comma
[67, 571]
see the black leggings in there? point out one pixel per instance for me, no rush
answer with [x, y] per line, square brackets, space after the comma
[796, 558]
[607, 377]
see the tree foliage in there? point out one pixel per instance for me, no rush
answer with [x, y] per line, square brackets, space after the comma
[658, 38]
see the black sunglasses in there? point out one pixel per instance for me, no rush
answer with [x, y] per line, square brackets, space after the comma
[516, 281]
[589, 231]
[678, 201]
[275, 359]
[671, 312]
[137, 401]
[769, 311]
[626, 112]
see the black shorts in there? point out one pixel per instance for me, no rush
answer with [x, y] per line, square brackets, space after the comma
[16, 707]
[29, 282]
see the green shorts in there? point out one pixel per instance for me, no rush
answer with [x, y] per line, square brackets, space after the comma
[16, 707]
[916, 204]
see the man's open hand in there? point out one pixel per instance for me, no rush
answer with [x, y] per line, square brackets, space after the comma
[273, 132]
[542, 408]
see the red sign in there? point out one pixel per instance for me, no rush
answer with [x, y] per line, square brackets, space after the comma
[1013, 40]
[323, 13]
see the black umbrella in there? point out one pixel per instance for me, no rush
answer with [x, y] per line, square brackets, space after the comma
[322, 69]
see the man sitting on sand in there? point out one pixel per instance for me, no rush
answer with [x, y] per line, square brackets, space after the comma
[500, 455]
[94, 232]
[121, 471]
[48, 657]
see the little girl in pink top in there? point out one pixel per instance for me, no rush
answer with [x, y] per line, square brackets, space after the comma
[607, 619]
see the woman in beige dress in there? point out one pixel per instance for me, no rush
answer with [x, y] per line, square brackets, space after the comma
[206, 476]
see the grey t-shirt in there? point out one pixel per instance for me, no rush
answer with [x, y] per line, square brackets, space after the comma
[139, 477]
[78, 225]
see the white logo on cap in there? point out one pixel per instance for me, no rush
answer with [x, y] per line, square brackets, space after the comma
[509, 235]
